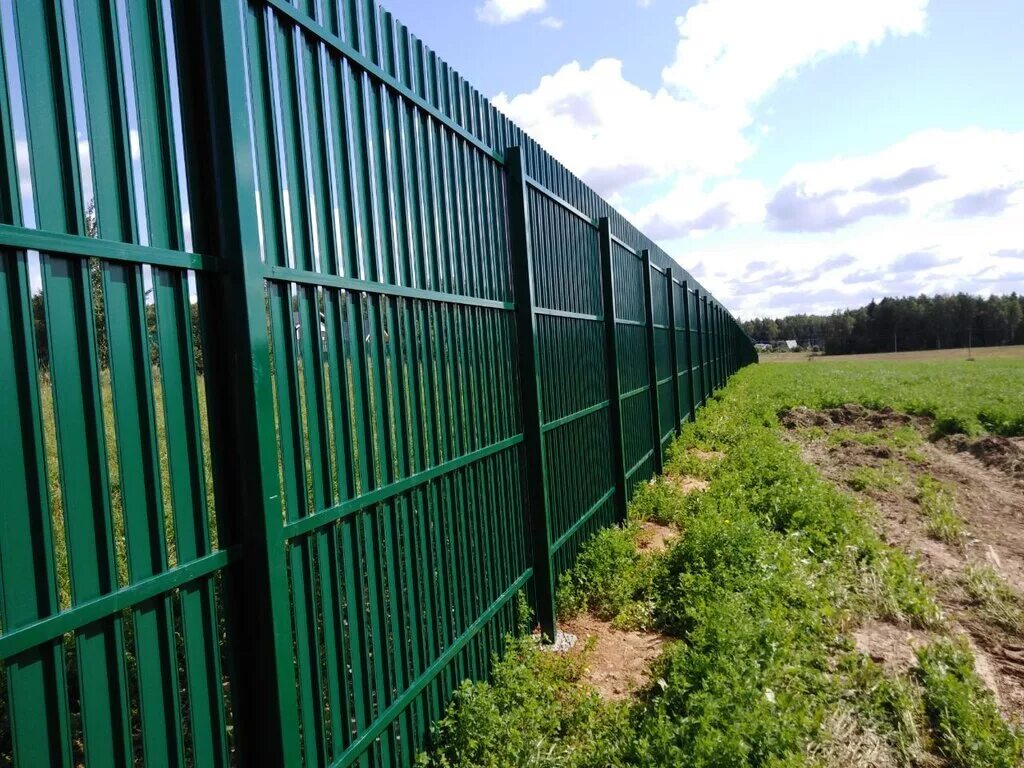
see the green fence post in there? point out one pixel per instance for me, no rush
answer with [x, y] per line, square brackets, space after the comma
[689, 349]
[611, 350]
[243, 433]
[652, 363]
[677, 415]
[538, 522]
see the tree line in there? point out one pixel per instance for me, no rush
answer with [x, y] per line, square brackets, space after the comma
[903, 324]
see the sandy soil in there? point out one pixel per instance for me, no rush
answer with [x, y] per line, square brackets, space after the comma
[619, 662]
[655, 537]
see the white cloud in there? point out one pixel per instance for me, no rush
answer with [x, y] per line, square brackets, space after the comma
[905, 219]
[507, 11]
[615, 134]
[925, 248]
[687, 210]
[732, 53]
[552, 22]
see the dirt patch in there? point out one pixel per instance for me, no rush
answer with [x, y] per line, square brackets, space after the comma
[889, 645]
[707, 455]
[686, 483]
[988, 498]
[895, 647]
[849, 415]
[619, 661]
[655, 537]
[1004, 454]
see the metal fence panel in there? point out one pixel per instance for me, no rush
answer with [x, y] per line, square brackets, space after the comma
[313, 362]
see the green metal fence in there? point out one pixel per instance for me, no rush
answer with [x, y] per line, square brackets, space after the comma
[311, 362]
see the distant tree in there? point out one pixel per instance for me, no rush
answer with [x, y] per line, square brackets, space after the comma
[907, 323]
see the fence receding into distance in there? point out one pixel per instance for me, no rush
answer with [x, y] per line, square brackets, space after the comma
[311, 361]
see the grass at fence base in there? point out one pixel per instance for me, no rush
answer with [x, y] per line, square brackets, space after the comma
[772, 568]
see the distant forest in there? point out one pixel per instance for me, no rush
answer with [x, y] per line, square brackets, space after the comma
[903, 324]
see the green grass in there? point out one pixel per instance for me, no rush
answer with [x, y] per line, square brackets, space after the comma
[611, 579]
[968, 729]
[969, 397]
[995, 600]
[772, 568]
[887, 477]
[771, 565]
[938, 502]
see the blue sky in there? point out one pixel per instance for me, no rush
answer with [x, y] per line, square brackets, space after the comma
[774, 145]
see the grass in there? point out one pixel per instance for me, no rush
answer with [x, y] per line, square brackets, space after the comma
[938, 502]
[772, 569]
[887, 477]
[968, 729]
[995, 600]
[968, 397]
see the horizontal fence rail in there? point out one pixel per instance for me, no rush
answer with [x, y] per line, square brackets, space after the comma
[313, 364]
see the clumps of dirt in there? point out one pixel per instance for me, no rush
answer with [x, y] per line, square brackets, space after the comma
[655, 537]
[618, 661]
[802, 418]
[984, 476]
[848, 415]
[1005, 454]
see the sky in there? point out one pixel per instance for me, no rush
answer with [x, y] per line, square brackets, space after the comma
[794, 155]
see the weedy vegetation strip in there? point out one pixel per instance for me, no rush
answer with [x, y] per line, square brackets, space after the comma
[773, 568]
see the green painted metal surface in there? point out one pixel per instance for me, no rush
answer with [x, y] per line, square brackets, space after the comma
[311, 362]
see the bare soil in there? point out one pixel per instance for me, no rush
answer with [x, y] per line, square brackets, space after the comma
[655, 537]
[986, 475]
[686, 483]
[618, 664]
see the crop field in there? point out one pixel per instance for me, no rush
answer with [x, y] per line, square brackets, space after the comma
[829, 573]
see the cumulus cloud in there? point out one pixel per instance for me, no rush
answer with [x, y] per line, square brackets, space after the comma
[865, 276]
[793, 209]
[507, 11]
[909, 179]
[615, 134]
[988, 202]
[552, 22]
[904, 218]
[731, 53]
[916, 262]
[831, 265]
[716, 217]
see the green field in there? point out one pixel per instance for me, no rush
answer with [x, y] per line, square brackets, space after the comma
[985, 395]
[773, 569]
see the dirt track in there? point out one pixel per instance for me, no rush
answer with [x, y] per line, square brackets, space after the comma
[987, 478]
